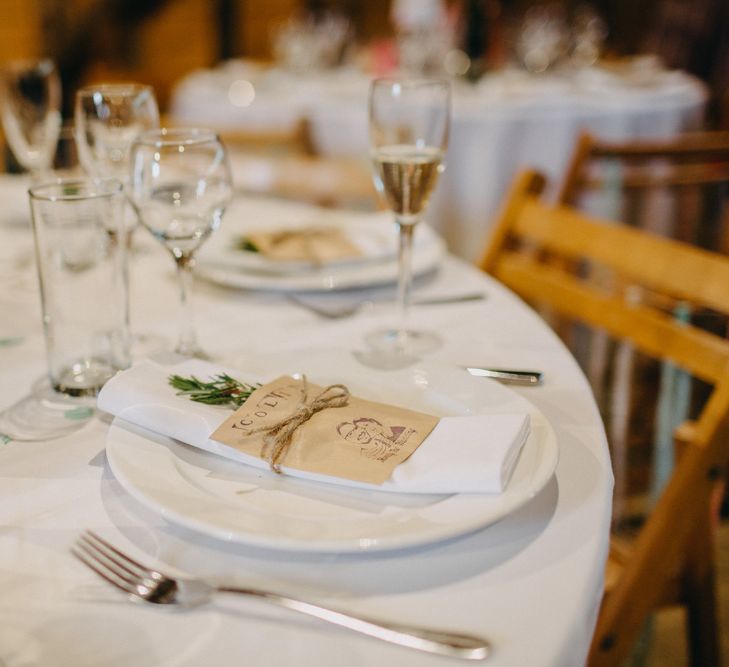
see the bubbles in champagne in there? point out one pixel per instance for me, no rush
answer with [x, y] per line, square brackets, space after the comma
[407, 175]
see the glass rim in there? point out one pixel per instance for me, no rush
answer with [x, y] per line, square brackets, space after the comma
[411, 82]
[95, 188]
[175, 136]
[119, 87]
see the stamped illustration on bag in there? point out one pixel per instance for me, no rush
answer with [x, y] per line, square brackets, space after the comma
[375, 440]
[292, 423]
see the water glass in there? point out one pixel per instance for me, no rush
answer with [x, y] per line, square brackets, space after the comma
[77, 225]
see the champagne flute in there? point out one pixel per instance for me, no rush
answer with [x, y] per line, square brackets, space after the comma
[409, 121]
[180, 185]
[31, 112]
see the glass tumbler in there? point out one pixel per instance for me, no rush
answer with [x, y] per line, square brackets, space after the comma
[78, 228]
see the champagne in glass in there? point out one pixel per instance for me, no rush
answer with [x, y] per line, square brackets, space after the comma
[409, 121]
[407, 175]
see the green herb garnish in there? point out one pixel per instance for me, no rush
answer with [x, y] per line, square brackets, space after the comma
[244, 243]
[220, 390]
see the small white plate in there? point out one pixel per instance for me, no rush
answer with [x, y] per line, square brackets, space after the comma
[239, 504]
[375, 234]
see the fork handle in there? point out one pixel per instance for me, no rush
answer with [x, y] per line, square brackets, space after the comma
[439, 642]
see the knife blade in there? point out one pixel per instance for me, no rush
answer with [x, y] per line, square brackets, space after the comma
[508, 376]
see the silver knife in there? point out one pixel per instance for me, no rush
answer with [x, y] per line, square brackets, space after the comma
[508, 376]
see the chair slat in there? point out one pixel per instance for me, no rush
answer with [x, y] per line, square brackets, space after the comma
[696, 145]
[656, 262]
[657, 334]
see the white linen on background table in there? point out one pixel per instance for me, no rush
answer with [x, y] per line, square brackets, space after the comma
[508, 121]
[532, 583]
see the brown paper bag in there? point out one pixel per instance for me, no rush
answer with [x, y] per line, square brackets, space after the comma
[362, 440]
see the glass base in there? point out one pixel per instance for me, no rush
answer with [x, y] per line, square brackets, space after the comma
[85, 377]
[409, 342]
[391, 349]
[45, 414]
[194, 352]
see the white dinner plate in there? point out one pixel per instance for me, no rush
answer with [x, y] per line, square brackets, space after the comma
[236, 503]
[375, 234]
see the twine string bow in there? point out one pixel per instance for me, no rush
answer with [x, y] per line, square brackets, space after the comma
[279, 435]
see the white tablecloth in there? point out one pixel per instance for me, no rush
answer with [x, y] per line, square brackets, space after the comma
[531, 583]
[508, 121]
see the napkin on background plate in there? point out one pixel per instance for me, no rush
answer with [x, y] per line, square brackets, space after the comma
[316, 245]
[363, 237]
[463, 454]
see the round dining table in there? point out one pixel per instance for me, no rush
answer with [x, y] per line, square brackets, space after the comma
[508, 120]
[530, 582]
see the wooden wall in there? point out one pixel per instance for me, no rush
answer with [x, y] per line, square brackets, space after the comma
[20, 29]
[164, 45]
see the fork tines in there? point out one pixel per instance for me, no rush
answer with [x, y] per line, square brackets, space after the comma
[109, 563]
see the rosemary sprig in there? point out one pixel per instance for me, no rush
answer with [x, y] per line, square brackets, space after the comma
[244, 243]
[220, 390]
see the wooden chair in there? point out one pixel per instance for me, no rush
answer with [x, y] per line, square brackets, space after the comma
[671, 560]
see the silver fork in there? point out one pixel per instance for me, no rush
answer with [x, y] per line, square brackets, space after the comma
[145, 584]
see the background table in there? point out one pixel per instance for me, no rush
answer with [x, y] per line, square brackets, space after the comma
[509, 120]
[531, 583]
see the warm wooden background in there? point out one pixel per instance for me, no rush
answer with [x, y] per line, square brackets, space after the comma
[164, 39]
[159, 41]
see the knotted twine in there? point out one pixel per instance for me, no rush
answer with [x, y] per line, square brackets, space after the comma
[279, 435]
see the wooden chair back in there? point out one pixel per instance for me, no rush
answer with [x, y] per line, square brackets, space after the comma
[293, 140]
[689, 173]
[672, 556]
[284, 163]
[677, 187]
[320, 180]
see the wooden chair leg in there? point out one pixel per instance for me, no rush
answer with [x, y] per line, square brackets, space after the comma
[700, 597]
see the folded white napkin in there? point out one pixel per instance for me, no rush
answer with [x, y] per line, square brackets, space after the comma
[374, 235]
[468, 454]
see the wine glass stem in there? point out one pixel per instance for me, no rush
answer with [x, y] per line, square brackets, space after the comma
[187, 343]
[405, 277]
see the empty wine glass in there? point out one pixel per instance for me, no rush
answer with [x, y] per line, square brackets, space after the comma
[409, 121]
[108, 117]
[30, 92]
[180, 185]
